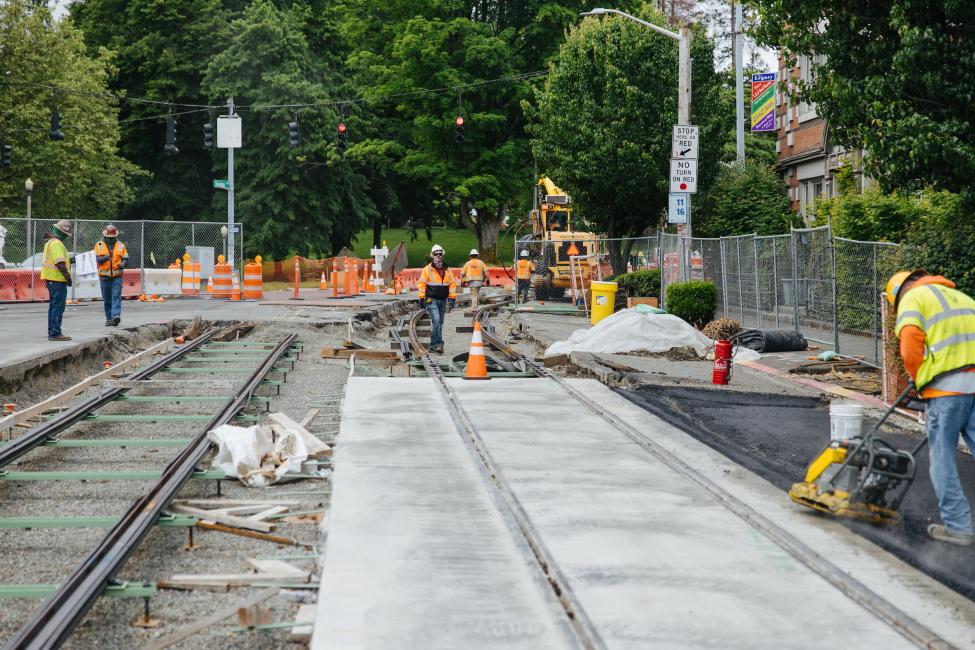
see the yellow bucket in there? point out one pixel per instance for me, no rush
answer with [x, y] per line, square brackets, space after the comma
[603, 300]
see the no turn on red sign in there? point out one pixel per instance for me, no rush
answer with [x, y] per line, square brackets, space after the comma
[683, 175]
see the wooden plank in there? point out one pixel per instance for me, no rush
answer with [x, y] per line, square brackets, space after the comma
[213, 619]
[227, 520]
[55, 402]
[367, 354]
[305, 623]
[236, 502]
[309, 417]
[264, 514]
[279, 568]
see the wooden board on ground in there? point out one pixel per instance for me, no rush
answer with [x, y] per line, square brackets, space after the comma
[228, 520]
[305, 623]
[213, 619]
[268, 572]
[368, 354]
[633, 302]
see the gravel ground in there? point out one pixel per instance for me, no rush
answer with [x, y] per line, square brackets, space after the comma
[48, 555]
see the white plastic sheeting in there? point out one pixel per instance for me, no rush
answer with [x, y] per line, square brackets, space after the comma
[630, 331]
[261, 455]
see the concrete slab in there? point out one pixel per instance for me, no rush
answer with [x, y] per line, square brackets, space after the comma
[418, 554]
[653, 558]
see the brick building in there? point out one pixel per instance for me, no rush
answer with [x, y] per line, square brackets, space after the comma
[808, 160]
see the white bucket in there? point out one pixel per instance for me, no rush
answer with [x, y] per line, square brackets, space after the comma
[845, 420]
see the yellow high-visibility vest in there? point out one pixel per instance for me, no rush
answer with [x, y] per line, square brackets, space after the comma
[947, 318]
[54, 252]
[474, 271]
[112, 267]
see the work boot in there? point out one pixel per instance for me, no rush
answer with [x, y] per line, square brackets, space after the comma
[59, 337]
[116, 320]
[942, 534]
[109, 322]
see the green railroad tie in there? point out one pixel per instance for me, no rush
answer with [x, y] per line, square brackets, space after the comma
[184, 398]
[119, 442]
[170, 521]
[270, 626]
[124, 590]
[233, 357]
[162, 418]
[210, 475]
[510, 375]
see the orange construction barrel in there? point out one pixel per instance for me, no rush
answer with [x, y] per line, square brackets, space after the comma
[254, 280]
[221, 280]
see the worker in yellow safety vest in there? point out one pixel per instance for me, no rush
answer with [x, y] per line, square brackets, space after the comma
[936, 327]
[523, 273]
[56, 273]
[437, 291]
[112, 258]
[474, 275]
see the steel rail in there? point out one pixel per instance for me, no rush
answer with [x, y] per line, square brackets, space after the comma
[55, 620]
[577, 624]
[45, 431]
[860, 593]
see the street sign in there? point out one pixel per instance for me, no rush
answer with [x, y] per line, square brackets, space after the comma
[763, 102]
[683, 175]
[573, 250]
[220, 184]
[685, 140]
[228, 132]
[678, 207]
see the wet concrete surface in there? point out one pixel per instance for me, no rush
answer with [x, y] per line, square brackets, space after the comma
[777, 436]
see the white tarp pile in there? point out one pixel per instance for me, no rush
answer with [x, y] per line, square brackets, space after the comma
[631, 330]
[261, 455]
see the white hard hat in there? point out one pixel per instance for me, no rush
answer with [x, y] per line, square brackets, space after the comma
[524, 253]
[437, 248]
[474, 251]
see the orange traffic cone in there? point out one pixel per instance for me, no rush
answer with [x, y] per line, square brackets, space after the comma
[235, 292]
[209, 286]
[476, 365]
[322, 284]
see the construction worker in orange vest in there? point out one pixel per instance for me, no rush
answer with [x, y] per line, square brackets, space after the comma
[474, 275]
[112, 257]
[524, 271]
[437, 291]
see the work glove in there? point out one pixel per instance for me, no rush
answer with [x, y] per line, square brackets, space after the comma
[450, 304]
[67, 280]
[421, 304]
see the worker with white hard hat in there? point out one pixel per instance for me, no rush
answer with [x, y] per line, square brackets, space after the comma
[112, 258]
[474, 275]
[524, 269]
[437, 291]
[56, 273]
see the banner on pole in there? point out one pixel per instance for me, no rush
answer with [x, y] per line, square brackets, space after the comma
[763, 102]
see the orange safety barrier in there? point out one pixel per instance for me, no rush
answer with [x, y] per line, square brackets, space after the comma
[254, 280]
[221, 280]
[366, 277]
[191, 278]
[131, 283]
[409, 278]
[335, 277]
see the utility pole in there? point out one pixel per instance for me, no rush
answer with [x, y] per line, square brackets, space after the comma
[684, 99]
[230, 195]
[736, 36]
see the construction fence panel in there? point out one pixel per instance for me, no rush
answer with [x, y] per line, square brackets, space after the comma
[150, 245]
[815, 282]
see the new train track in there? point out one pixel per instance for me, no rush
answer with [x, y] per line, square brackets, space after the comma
[51, 624]
[586, 634]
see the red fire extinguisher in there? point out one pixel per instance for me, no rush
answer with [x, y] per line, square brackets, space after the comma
[722, 362]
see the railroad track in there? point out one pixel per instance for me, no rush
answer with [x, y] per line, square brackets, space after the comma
[586, 634]
[87, 426]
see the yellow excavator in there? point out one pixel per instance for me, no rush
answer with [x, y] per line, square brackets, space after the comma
[552, 227]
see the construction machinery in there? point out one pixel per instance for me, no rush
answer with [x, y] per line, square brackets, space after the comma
[552, 227]
[863, 477]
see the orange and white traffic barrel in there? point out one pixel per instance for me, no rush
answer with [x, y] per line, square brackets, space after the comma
[221, 281]
[254, 280]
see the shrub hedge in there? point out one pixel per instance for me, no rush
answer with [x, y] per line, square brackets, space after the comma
[639, 284]
[693, 301]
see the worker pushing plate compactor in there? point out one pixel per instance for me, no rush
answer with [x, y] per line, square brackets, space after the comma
[863, 477]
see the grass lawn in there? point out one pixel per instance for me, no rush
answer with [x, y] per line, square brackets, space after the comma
[457, 245]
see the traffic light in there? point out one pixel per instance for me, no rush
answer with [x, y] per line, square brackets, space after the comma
[171, 149]
[459, 129]
[208, 135]
[56, 132]
[6, 152]
[341, 136]
[294, 134]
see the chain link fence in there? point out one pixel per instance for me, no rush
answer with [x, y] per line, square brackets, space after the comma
[150, 244]
[827, 288]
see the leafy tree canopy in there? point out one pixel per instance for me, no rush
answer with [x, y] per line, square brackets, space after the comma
[745, 198]
[82, 175]
[896, 81]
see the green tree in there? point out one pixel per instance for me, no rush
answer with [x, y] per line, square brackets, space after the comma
[871, 215]
[747, 198]
[602, 124]
[308, 200]
[896, 80]
[162, 49]
[82, 175]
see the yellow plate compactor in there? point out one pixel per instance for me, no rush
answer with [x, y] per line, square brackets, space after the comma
[863, 477]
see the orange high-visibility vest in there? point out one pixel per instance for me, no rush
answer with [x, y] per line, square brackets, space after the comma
[112, 267]
[525, 269]
[474, 271]
[436, 284]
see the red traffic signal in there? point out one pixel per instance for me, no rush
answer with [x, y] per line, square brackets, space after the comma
[341, 127]
[459, 121]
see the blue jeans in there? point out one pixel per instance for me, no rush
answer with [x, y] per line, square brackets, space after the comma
[946, 418]
[111, 296]
[58, 292]
[436, 309]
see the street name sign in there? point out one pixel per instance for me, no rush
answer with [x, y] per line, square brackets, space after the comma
[221, 184]
[678, 207]
[683, 175]
[685, 141]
